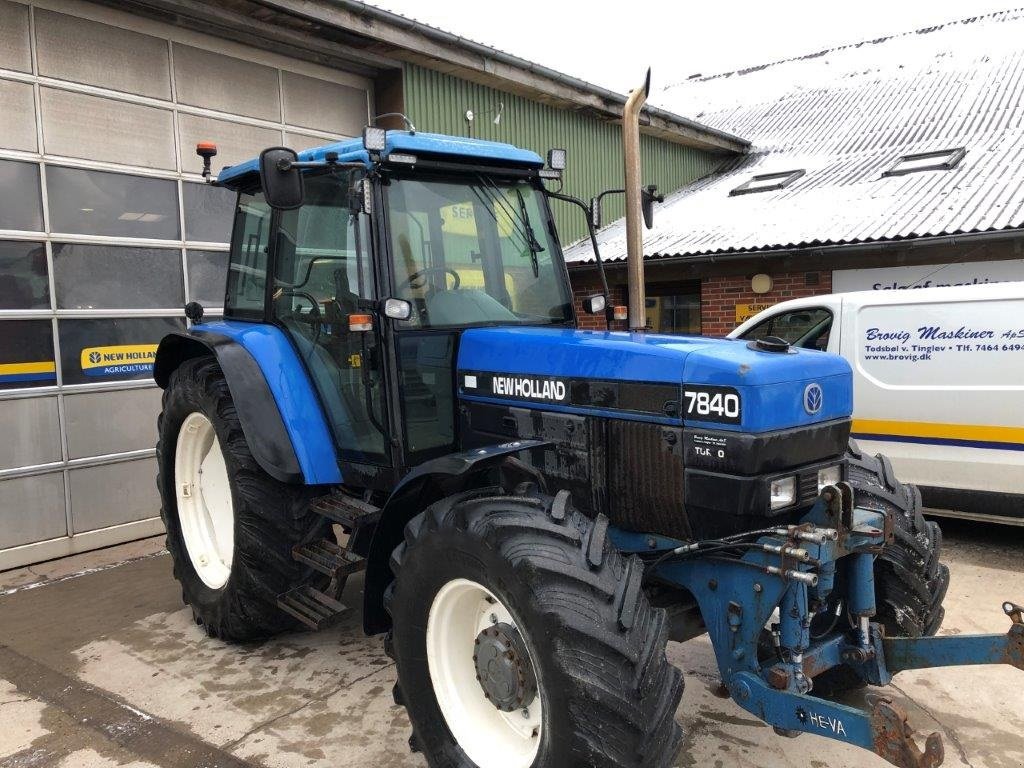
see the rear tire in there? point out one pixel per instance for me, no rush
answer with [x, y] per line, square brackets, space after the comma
[607, 692]
[265, 520]
[910, 580]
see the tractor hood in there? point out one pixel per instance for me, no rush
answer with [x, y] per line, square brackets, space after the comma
[720, 383]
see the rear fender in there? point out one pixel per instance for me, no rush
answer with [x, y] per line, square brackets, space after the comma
[429, 482]
[280, 413]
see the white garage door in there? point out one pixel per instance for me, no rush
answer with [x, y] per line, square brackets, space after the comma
[106, 231]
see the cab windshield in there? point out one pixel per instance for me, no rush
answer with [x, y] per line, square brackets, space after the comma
[475, 253]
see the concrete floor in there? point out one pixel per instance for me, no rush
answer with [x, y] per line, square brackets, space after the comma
[101, 666]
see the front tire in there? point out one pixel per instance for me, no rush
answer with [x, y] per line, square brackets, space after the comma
[910, 580]
[230, 526]
[571, 611]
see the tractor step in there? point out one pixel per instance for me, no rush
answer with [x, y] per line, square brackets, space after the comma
[311, 606]
[345, 510]
[329, 558]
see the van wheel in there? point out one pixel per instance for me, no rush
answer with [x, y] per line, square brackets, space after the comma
[910, 580]
[523, 638]
[230, 526]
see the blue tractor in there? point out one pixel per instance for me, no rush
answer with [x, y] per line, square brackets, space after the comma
[398, 386]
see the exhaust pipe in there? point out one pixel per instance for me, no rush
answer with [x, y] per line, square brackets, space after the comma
[634, 235]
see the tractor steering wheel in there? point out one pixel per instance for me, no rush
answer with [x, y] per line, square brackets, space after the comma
[429, 270]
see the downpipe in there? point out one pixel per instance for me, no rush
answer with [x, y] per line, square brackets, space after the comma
[738, 595]
[634, 235]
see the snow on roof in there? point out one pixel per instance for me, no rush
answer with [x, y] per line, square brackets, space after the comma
[846, 116]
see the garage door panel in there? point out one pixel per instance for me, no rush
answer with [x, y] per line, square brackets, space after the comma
[31, 430]
[88, 52]
[235, 142]
[15, 49]
[32, 509]
[324, 106]
[101, 423]
[112, 494]
[226, 84]
[96, 128]
[17, 116]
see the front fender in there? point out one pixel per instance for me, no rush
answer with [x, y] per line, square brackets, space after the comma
[429, 482]
[281, 416]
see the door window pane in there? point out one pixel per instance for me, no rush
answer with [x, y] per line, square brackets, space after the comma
[807, 328]
[20, 200]
[114, 204]
[207, 277]
[208, 212]
[247, 270]
[26, 354]
[24, 284]
[322, 271]
[112, 350]
[115, 277]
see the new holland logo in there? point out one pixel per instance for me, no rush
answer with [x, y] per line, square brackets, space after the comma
[528, 388]
[814, 398]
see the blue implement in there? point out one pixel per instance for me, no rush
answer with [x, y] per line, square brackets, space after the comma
[741, 584]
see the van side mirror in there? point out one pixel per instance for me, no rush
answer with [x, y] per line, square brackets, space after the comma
[282, 182]
[594, 305]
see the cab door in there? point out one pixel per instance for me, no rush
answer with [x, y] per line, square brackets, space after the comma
[323, 273]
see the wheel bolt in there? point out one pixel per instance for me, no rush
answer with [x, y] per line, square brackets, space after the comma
[204, 560]
[494, 618]
[526, 714]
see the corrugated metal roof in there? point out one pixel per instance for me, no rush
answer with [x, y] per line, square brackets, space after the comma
[845, 116]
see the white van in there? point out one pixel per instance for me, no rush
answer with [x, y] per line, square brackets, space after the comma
[938, 385]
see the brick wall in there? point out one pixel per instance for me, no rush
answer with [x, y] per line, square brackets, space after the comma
[588, 322]
[720, 295]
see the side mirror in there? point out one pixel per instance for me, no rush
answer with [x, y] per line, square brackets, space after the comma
[595, 212]
[397, 309]
[282, 182]
[594, 305]
[648, 197]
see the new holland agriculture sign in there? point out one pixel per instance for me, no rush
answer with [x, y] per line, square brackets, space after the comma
[118, 360]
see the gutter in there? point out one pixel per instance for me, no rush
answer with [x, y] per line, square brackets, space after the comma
[967, 238]
[367, 20]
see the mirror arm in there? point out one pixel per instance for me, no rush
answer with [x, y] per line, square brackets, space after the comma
[608, 309]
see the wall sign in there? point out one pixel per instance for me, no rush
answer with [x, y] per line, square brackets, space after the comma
[746, 311]
[926, 276]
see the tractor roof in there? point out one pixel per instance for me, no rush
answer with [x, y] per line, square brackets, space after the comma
[421, 144]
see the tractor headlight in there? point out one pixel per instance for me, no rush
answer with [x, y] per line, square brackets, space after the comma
[783, 492]
[829, 476]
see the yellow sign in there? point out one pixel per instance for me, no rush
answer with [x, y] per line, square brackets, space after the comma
[120, 360]
[12, 373]
[746, 311]
[460, 219]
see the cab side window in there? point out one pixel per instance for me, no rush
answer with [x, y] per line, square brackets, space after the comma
[247, 269]
[804, 328]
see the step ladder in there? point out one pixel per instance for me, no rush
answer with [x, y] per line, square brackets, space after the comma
[315, 608]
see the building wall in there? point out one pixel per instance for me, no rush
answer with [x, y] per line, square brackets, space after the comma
[721, 295]
[106, 231]
[438, 102]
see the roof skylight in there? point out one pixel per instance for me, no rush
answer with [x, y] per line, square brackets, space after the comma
[941, 160]
[767, 182]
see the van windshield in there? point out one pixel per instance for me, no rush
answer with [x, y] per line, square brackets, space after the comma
[475, 253]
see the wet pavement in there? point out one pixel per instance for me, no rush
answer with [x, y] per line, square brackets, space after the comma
[102, 666]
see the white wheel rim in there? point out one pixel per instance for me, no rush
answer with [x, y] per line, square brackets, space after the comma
[205, 510]
[489, 737]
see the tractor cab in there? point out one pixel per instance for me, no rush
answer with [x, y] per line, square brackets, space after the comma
[373, 254]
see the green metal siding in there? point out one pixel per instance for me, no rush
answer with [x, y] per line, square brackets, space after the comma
[437, 102]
